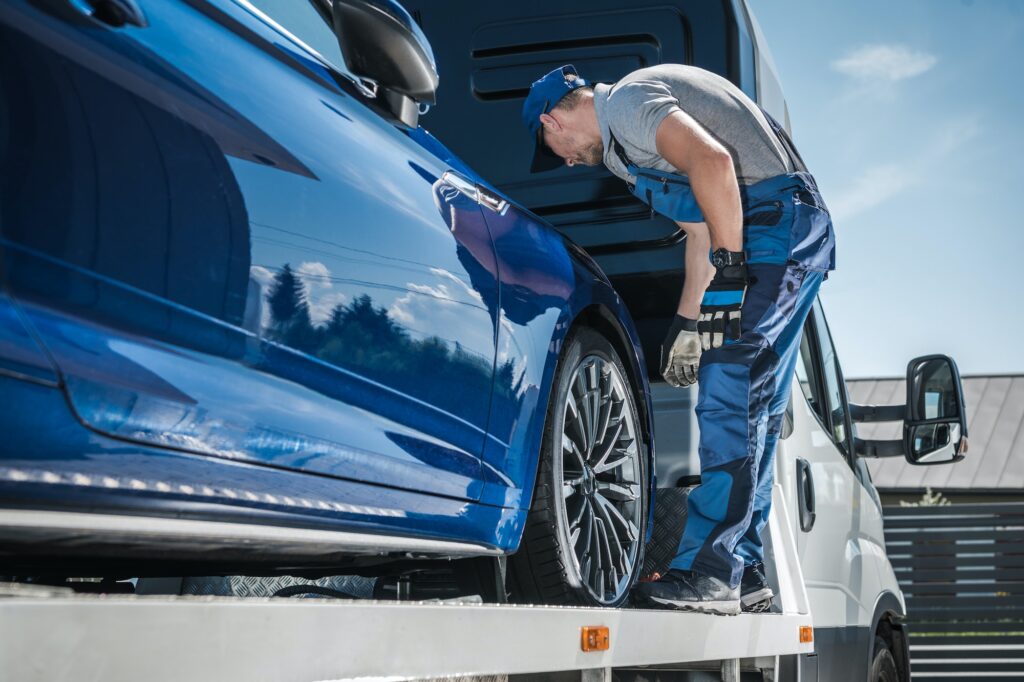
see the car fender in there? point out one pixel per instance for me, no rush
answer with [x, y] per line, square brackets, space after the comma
[548, 286]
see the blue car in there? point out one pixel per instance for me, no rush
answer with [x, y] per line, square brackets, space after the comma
[255, 318]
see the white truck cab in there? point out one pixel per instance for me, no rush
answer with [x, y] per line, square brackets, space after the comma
[851, 587]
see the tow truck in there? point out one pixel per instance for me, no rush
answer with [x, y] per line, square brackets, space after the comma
[837, 612]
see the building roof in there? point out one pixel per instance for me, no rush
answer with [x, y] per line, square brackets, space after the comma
[995, 426]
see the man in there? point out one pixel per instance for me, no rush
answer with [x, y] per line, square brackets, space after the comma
[699, 151]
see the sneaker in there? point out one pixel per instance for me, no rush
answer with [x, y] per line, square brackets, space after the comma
[755, 594]
[690, 591]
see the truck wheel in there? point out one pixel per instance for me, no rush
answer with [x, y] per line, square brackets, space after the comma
[583, 540]
[883, 665]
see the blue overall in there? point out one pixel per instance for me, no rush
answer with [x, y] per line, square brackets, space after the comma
[744, 385]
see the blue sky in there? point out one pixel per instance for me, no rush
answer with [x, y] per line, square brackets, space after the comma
[911, 116]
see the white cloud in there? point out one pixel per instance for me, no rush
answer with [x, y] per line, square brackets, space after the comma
[432, 311]
[468, 291]
[884, 63]
[880, 183]
[871, 188]
[319, 287]
[261, 276]
[314, 274]
[458, 293]
[423, 305]
[321, 306]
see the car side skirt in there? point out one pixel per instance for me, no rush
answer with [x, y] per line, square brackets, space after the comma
[106, 533]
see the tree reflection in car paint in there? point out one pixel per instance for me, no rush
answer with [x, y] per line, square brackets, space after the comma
[161, 343]
[364, 338]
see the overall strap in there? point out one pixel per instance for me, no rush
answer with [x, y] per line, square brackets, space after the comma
[621, 153]
[632, 169]
[794, 159]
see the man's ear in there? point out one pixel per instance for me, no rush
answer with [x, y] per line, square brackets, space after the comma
[550, 122]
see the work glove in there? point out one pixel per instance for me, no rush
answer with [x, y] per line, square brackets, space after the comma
[680, 352]
[720, 309]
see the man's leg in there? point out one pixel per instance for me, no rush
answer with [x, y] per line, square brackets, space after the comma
[732, 411]
[737, 383]
[750, 547]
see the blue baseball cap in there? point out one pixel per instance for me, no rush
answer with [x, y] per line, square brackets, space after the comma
[545, 94]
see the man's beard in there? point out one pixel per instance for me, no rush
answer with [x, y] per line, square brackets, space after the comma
[592, 155]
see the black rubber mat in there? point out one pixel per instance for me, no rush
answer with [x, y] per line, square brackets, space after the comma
[669, 522]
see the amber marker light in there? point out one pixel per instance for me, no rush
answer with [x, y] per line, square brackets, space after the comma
[594, 638]
[806, 634]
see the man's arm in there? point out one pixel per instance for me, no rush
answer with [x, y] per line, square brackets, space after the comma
[699, 270]
[693, 151]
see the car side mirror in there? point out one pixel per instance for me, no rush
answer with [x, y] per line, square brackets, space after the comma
[934, 418]
[382, 44]
[936, 422]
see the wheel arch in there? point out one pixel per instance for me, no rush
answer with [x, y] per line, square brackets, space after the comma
[604, 320]
[601, 315]
[541, 313]
[599, 318]
[887, 623]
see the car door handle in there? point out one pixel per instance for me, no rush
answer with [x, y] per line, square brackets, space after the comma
[805, 494]
[115, 13]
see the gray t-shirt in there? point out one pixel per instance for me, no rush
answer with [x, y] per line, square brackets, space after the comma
[634, 107]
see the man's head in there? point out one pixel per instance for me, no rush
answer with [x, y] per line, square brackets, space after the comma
[559, 113]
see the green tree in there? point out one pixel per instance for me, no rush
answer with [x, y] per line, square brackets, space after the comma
[291, 324]
[286, 296]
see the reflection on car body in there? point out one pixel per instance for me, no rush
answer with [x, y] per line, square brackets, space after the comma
[258, 297]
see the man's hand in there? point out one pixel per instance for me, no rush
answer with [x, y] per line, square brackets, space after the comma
[720, 309]
[680, 352]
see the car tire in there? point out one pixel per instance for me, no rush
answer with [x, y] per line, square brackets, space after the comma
[584, 535]
[883, 665]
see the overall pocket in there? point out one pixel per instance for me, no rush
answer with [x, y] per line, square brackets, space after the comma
[765, 237]
[812, 239]
[668, 195]
[767, 213]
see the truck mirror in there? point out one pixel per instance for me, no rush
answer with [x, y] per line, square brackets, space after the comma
[935, 426]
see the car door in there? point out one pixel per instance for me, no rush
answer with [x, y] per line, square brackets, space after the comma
[228, 249]
[837, 522]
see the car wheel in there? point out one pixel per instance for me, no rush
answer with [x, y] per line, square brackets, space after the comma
[583, 540]
[883, 665]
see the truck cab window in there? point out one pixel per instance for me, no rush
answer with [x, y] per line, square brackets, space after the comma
[821, 379]
[807, 373]
[834, 387]
[308, 21]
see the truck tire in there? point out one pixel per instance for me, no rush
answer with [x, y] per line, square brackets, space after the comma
[883, 665]
[584, 535]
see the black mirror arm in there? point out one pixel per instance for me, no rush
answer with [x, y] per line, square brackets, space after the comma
[878, 448]
[877, 413]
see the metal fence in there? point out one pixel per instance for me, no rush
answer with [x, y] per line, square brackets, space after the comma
[961, 568]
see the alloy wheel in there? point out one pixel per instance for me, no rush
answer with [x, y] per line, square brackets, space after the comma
[601, 479]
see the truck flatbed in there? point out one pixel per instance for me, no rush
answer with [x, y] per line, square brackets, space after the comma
[222, 638]
[53, 634]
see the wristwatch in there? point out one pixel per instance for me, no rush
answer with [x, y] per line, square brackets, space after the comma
[723, 258]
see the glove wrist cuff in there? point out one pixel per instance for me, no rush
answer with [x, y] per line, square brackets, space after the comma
[732, 272]
[683, 323]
